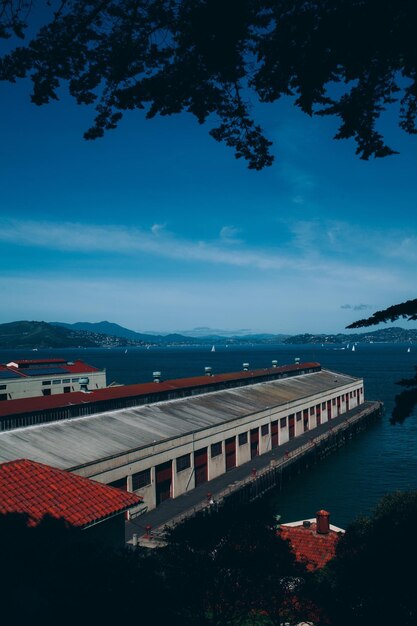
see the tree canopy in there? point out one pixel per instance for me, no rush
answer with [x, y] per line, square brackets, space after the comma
[406, 401]
[371, 581]
[214, 58]
[228, 568]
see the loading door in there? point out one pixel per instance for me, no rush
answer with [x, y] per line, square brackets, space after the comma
[291, 426]
[274, 434]
[230, 446]
[163, 479]
[305, 420]
[329, 409]
[254, 442]
[318, 415]
[200, 466]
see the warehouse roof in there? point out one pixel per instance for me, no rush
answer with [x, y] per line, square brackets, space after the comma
[63, 400]
[71, 443]
[39, 490]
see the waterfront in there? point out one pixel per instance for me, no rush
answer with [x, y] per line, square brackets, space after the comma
[348, 483]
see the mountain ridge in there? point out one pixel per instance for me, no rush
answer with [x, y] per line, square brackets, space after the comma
[35, 334]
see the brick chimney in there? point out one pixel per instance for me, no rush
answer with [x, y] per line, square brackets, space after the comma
[323, 522]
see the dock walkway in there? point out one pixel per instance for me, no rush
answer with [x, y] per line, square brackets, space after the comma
[173, 511]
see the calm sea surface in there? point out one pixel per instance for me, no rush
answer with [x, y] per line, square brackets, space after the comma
[348, 483]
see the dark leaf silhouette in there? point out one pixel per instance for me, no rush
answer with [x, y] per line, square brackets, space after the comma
[346, 58]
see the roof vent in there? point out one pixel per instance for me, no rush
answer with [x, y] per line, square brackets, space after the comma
[156, 377]
[306, 524]
[208, 371]
[245, 366]
[274, 363]
[84, 383]
[297, 360]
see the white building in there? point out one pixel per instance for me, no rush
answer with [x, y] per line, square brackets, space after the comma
[29, 378]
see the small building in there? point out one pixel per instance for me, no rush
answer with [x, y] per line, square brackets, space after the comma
[37, 490]
[165, 449]
[29, 378]
[313, 541]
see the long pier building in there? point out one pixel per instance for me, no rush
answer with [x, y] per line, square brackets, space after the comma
[160, 449]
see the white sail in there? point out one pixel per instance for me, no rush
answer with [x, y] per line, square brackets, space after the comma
[213, 349]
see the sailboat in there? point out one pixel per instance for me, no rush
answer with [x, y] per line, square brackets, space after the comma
[353, 348]
[213, 349]
[408, 349]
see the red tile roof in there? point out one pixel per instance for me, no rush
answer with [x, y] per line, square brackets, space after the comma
[23, 362]
[38, 490]
[310, 547]
[72, 367]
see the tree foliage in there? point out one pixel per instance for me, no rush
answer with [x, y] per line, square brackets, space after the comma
[212, 58]
[229, 568]
[407, 310]
[406, 401]
[244, 569]
[371, 580]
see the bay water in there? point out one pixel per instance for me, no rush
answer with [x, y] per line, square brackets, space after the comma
[348, 483]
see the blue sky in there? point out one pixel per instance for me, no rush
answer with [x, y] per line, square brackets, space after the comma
[158, 227]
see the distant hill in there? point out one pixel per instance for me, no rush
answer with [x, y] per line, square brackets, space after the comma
[33, 334]
[26, 334]
[202, 334]
[104, 328]
[382, 335]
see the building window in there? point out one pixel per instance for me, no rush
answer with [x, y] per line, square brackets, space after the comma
[56, 382]
[298, 416]
[67, 389]
[283, 422]
[312, 410]
[46, 382]
[183, 462]
[243, 439]
[3, 396]
[264, 429]
[141, 479]
[334, 401]
[3, 386]
[216, 449]
[65, 381]
[323, 406]
[46, 392]
[75, 380]
[119, 484]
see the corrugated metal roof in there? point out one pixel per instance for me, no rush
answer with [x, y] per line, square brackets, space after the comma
[83, 440]
[62, 400]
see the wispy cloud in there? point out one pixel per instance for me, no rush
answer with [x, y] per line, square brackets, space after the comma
[157, 228]
[229, 235]
[357, 307]
[325, 251]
